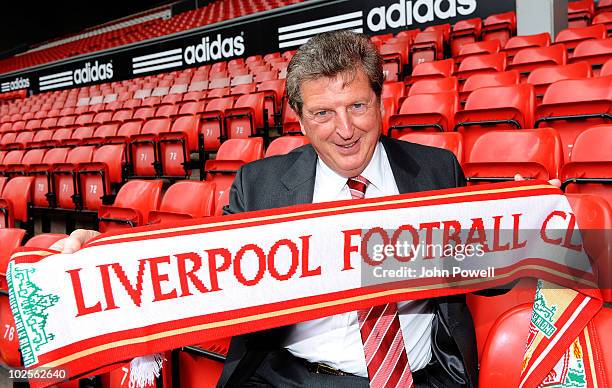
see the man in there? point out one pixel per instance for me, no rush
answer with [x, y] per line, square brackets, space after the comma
[334, 83]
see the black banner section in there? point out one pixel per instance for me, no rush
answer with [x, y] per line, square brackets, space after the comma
[277, 30]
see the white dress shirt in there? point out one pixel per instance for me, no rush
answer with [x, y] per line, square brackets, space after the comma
[335, 340]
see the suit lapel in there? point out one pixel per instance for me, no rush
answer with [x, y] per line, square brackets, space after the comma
[298, 181]
[403, 166]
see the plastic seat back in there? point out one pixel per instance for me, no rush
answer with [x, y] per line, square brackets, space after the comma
[95, 178]
[428, 112]
[434, 85]
[475, 64]
[542, 77]
[452, 141]
[437, 69]
[246, 117]
[516, 43]
[212, 122]
[44, 240]
[572, 36]
[594, 51]
[65, 178]
[285, 144]
[134, 201]
[16, 196]
[484, 80]
[184, 200]
[526, 60]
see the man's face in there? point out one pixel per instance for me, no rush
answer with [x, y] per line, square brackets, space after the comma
[341, 117]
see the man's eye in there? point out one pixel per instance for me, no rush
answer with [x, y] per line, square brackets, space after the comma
[359, 106]
[321, 113]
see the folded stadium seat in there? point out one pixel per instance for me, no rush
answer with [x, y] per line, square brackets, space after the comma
[151, 101]
[213, 119]
[218, 93]
[395, 57]
[64, 177]
[132, 205]
[502, 356]
[9, 343]
[529, 59]
[132, 103]
[572, 36]
[285, 144]
[604, 18]
[594, 215]
[15, 199]
[246, 118]
[273, 91]
[127, 129]
[477, 48]
[6, 127]
[435, 69]
[606, 69]
[114, 105]
[176, 145]
[589, 167]
[434, 85]
[499, 155]
[173, 98]
[42, 176]
[198, 86]
[102, 117]
[142, 148]
[199, 370]
[11, 160]
[238, 71]
[18, 126]
[498, 107]
[30, 157]
[477, 64]
[595, 51]
[243, 89]
[452, 141]
[241, 79]
[122, 114]
[142, 93]
[501, 27]
[195, 96]
[185, 200]
[21, 139]
[262, 76]
[160, 91]
[395, 90]
[48, 123]
[96, 179]
[290, 120]
[41, 137]
[78, 135]
[379, 40]
[425, 112]
[232, 154]
[444, 28]
[191, 107]
[603, 6]
[485, 80]
[428, 46]
[261, 68]
[580, 13]
[44, 240]
[517, 43]
[271, 56]
[84, 119]
[8, 140]
[33, 124]
[464, 32]
[542, 77]
[175, 92]
[166, 110]
[144, 112]
[571, 106]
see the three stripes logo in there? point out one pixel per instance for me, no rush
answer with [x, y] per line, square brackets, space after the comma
[18, 83]
[298, 34]
[158, 61]
[54, 81]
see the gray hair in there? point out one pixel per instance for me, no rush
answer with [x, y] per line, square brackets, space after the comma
[330, 54]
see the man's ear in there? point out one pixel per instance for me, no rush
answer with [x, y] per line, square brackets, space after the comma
[382, 107]
[302, 128]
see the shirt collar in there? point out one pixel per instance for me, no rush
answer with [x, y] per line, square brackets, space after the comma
[335, 182]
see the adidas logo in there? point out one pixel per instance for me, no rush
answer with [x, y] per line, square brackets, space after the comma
[93, 73]
[18, 83]
[214, 49]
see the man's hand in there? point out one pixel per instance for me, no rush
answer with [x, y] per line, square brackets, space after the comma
[554, 182]
[74, 242]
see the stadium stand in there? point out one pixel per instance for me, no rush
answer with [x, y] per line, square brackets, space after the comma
[166, 147]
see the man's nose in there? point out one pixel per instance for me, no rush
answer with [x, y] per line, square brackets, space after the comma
[344, 125]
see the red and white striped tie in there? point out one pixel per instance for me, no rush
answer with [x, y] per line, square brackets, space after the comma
[381, 334]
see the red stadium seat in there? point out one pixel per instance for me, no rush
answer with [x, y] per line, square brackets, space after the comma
[3, 181]
[500, 155]
[594, 216]
[12, 161]
[198, 371]
[14, 202]
[589, 167]
[212, 122]
[604, 18]
[64, 176]
[44, 240]
[285, 144]
[101, 134]
[604, 6]
[245, 119]
[580, 13]
[143, 147]
[502, 357]
[126, 131]
[436, 69]
[394, 90]
[499, 27]
[273, 91]
[41, 137]
[428, 46]
[31, 157]
[477, 64]
[428, 112]
[516, 43]
[96, 177]
[570, 106]
[290, 121]
[9, 342]
[477, 48]
[594, 51]
[166, 110]
[484, 80]
[176, 145]
[452, 141]
[542, 78]
[10, 238]
[134, 201]
[434, 85]
[144, 112]
[464, 32]
[572, 36]
[232, 154]
[500, 107]
[184, 200]
[526, 60]
[395, 57]
[42, 176]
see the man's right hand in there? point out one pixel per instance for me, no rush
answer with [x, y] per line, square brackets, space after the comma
[74, 242]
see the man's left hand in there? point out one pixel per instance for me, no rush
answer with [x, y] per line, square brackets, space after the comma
[555, 182]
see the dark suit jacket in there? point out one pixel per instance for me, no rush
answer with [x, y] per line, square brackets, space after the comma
[289, 180]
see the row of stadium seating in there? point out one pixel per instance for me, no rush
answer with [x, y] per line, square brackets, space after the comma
[216, 11]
